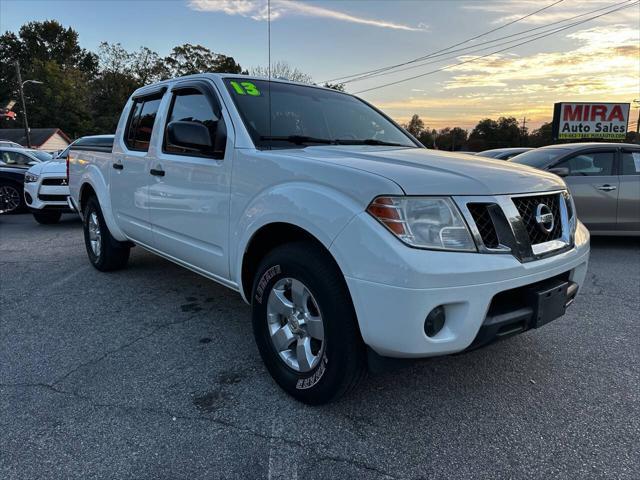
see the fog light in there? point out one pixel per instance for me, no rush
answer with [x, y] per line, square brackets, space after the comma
[28, 198]
[434, 321]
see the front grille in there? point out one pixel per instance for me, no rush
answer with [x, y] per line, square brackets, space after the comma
[484, 223]
[527, 208]
[54, 181]
[53, 198]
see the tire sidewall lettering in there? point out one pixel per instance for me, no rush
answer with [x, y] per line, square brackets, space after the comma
[309, 382]
[267, 276]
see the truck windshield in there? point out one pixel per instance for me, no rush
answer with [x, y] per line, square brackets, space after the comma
[302, 116]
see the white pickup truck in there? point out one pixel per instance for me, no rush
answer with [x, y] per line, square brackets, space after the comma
[350, 240]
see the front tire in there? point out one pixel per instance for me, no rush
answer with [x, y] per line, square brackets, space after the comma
[305, 325]
[11, 200]
[105, 252]
[47, 218]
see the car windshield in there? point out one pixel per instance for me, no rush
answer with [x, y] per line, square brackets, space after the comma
[538, 158]
[40, 155]
[302, 116]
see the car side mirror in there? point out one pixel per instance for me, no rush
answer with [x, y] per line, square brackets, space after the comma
[192, 136]
[32, 163]
[560, 171]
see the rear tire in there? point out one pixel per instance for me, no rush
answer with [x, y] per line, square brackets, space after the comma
[47, 218]
[105, 252]
[331, 366]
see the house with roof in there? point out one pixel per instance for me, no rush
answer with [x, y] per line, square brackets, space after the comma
[49, 139]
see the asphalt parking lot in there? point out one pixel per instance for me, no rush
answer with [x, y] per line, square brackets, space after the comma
[152, 373]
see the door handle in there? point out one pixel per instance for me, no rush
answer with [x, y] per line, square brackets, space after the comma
[606, 188]
[157, 172]
[118, 166]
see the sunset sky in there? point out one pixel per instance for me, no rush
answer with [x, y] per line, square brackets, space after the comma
[598, 60]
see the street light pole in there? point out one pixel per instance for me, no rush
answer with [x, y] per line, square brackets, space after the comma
[24, 106]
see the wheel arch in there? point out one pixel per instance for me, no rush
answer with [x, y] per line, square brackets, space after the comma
[88, 189]
[264, 240]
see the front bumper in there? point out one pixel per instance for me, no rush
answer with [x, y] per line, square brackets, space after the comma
[394, 287]
[46, 197]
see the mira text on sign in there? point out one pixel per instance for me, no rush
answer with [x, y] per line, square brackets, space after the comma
[590, 120]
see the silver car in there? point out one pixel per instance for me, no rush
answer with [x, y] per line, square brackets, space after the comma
[503, 153]
[604, 179]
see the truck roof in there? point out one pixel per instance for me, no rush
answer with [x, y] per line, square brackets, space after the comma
[229, 75]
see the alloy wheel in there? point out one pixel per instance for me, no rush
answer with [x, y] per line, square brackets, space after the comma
[295, 325]
[9, 199]
[95, 236]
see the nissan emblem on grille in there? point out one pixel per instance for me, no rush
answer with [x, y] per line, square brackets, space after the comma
[544, 217]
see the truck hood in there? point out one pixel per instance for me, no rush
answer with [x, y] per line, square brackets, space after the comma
[51, 166]
[419, 171]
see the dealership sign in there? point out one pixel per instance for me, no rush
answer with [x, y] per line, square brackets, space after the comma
[590, 120]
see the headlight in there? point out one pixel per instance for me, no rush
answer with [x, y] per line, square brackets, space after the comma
[30, 177]
[424, 222]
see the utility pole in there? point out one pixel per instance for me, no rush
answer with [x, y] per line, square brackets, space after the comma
[24, 106]
[523, 131]
[637, 102]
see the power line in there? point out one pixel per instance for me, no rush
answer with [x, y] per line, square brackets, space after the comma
[475, 59]
[473, 49]
[451, 46]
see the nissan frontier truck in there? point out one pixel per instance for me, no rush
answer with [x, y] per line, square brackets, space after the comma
[348, 238]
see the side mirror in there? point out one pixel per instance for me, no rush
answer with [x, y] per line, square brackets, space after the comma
[32, 163]
[192, 136]
[560, 171]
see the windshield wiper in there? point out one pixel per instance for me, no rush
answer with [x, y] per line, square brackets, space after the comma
[298, 139]
[369, 141]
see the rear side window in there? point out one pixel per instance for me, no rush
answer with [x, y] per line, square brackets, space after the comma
[141, 120]
[589, 164]
[631, 163]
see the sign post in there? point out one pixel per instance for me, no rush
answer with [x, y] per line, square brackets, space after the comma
[590, 120]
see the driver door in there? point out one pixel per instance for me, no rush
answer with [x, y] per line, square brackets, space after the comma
[189, 191]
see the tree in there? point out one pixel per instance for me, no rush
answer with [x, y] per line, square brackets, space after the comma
[428, 138]
[542, 136]
[335, 86]
[415, 126]
[51, 54]
[148, 67]
[188, 59]
[284, 71]
[451, 139]
[50, 41]
[112, 86]
[488, 133]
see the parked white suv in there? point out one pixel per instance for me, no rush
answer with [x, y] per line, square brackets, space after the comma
[46, 188]
[349, 239]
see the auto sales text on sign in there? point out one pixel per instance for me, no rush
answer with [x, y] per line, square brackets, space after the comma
[590, 120]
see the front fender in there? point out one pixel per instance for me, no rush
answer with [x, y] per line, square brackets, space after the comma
[321, 211]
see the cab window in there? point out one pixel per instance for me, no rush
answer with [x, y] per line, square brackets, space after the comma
[191, 105]
[141, 120]
[590, 164]
[630, 163]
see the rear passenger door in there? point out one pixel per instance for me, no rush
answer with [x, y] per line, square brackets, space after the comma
[130, 170]
[189, 191]
[594, 184]
[629, 194]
